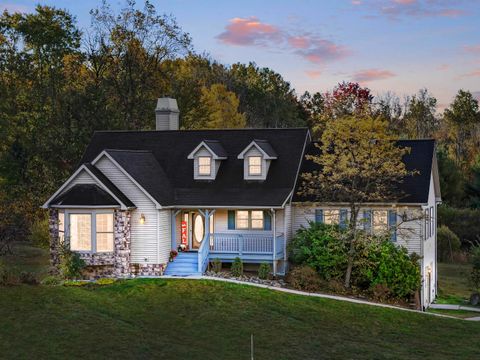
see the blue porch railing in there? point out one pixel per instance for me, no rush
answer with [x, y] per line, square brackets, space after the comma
[246, 244]
[203, 257]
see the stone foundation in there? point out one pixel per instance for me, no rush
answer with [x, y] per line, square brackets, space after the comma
[113, 264]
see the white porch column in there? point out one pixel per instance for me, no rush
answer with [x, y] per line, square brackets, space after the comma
[174, 227]
[274, 242]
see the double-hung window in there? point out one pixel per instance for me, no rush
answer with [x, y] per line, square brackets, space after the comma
[380, 221]
[61, 227]
[242, 219]
[254, 165]
[257, 220]
[249, 220]
[91, 232]
[204, 165]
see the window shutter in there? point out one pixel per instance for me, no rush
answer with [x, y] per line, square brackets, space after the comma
[343, 218]
[318, 215]
[392, 224]
[367, 220]
[231, 220]
[267, 220]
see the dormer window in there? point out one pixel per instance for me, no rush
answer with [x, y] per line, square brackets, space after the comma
[257, 157]
[254, 165]
[204, 165]
[207, 157]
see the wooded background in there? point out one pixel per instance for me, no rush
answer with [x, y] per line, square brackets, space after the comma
[58, 85]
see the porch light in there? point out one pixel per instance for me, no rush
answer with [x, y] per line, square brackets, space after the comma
[142, 219]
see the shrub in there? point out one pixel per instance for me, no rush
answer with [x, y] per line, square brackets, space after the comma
[216, 265]
[105, 281]
[448, 243]
[304, 278]
[395, 269]
[237, 267]
[39, 233]
[380, 292]
[321, 247]
[71, 264]
[28, 278]
[463, 222]
[51, 281]
[264, 271]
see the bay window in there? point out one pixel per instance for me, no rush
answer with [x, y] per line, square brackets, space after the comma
[90, 231]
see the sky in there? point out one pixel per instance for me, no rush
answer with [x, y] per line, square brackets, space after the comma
[386, 45]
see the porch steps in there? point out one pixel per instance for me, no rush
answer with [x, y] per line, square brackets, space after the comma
[185, 264]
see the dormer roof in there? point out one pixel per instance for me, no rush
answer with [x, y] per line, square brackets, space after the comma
[263, 146]
[213, 146]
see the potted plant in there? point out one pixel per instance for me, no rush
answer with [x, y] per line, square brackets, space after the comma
[173, 255]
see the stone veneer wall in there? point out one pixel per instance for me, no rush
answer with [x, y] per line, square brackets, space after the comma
[114, 264]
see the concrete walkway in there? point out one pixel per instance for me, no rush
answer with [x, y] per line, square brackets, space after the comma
[458, 307]
[303, 293]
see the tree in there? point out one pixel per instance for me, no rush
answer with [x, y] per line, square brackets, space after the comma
[420, 120]
[452, 180]
[359, 162]
[462, 133]
[218, 109]
[473, 186]
[346, 99]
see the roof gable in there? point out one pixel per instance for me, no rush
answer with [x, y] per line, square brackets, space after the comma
[214, 147]
[263, 146]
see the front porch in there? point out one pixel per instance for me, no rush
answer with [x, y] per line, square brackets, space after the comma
[202, 235]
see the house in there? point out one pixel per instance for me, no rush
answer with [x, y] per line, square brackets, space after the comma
[137, 195]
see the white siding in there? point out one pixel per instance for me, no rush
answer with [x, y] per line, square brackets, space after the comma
[408, 235]
[429, 249]
[144, 237]
[164, 239]
[83, 177]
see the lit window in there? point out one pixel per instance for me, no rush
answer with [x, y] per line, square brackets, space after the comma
[80, 232]
[104, 232]
[204, 165]
[254, 165]
[257, 219]
[331, 217]
[380, 221]
[242, 219]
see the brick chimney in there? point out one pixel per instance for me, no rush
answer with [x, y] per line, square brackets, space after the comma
[166, 114]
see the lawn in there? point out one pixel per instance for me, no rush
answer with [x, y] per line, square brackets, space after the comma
[453, 283]
[200, 319]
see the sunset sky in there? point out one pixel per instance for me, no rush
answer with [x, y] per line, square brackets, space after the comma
[398, 45]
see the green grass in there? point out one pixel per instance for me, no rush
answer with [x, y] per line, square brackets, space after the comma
[453, 283]
[27, 258]
[462, 314]
[188, 319]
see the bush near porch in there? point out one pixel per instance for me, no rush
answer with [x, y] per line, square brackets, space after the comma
[381, 269]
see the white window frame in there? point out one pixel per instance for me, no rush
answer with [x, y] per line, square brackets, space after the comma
[93, 228]
[259, 166]
[250, 220]
[61, 226]
[200, 166]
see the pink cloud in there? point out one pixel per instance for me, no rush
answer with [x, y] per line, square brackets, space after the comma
[474, 73]
[356, 2]
[252, 32]
[443, 67]
[474, 49]
[321, 50]
[405, 2]
[248, 31]
[313, 74]
[372, 75]
[298, 42]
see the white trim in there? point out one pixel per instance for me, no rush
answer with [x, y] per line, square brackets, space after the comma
[71, 178]
[253, 143]
[231, 207]
[105, 153]
[85, 206]
[191, 156]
